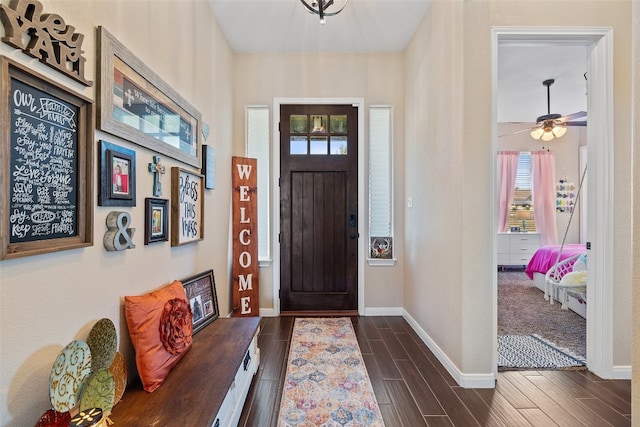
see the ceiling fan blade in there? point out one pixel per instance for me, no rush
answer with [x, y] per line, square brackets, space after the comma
[584, 123]
[515, 132]
[574, 116]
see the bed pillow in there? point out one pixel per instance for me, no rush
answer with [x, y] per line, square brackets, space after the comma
[575, 278]
[581, 263]
[161, 328]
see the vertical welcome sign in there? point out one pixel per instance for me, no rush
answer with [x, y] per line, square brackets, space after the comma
[245, 236]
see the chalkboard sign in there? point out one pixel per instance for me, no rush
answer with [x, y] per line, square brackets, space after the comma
[46, 137]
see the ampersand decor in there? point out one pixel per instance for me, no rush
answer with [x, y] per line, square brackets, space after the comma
[118, 237]
[157, 169]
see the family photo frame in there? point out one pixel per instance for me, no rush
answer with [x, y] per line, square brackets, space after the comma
[156, 224]
[201, 293]
[117, 175]
[137, 105]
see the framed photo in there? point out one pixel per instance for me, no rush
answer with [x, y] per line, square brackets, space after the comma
[156, 223]
[118, 175]
[137, 105]
[209, 167]
[46, 165]
[187, 206]
[201, 293]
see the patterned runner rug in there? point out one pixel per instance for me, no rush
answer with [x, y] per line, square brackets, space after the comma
[326, 383]
[533, 352]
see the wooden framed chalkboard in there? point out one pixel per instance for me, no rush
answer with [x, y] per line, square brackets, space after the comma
[46, 201]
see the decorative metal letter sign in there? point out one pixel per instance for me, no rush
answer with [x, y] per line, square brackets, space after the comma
[118, 237]
[245, 237]
[46, 35]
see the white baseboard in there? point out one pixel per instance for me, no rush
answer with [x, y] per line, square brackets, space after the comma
[622, 372]
[487, 380]
[383, 311]
[267, 312]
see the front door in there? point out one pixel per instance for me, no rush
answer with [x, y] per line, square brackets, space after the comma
[318, 208]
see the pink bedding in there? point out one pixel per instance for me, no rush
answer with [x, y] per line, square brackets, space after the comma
[546, 257]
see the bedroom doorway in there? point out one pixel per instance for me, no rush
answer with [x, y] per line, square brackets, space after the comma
[597, 43]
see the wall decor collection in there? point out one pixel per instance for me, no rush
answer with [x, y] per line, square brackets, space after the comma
[46, 201]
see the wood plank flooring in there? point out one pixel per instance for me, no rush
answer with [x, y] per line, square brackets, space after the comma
[413, 388]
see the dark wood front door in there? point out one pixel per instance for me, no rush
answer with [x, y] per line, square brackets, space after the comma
[318, 208]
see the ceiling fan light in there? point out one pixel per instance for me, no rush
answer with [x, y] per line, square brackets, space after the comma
[559, 130]
[547, 136]
[537, 133]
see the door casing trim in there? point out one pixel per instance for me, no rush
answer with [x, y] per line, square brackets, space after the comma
[600, 134]
[275, 161]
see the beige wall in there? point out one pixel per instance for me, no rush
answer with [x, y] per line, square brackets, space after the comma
[259, 78]
[449, 276]
[46, 301]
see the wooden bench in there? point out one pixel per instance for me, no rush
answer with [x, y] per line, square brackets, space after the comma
[207, 387]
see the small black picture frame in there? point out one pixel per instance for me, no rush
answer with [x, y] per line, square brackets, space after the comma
[201, 293]
[118, 175]
[209, 167]
[156, 222]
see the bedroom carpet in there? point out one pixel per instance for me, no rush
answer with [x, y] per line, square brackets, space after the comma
[522, 310]
[326, 383]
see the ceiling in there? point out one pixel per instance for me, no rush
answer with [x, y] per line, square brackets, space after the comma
[387, 26]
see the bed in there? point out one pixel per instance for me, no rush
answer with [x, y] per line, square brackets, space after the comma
[544, 259]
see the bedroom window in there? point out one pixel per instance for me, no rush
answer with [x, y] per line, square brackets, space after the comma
[257, 134]
[522, 214]
[380, 185]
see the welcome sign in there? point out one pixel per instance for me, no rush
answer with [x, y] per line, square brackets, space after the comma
[245, 237]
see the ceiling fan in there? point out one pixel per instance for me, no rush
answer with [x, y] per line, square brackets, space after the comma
[550, 126]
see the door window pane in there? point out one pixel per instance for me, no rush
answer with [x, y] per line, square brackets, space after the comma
[339, 124]
[298, 145]
[318, 124]
[298, 124]
[339, 145]
[319, 145]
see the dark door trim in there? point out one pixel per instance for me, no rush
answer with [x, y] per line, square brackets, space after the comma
[275, 162]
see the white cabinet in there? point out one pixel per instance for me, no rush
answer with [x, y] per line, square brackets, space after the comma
[517, 248]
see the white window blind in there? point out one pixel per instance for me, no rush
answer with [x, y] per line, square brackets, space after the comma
[380, 172]
[257, 131]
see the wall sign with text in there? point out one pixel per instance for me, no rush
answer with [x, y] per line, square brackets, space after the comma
[45, 158]
[245, 237]
[187, 207]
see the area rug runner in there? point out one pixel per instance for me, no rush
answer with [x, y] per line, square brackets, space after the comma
[326, 383]
[533, 352]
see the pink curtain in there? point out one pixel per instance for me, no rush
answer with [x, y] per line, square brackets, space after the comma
[507, 169]
[543, 172]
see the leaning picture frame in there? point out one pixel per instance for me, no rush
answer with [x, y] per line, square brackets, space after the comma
[135, 104]
[156, 220]
[117, 175]
[201, 293]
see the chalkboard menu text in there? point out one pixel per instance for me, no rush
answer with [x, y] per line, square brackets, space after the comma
[46, 137]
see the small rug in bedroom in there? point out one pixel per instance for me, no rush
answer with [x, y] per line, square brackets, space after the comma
[326, 383]
[533, 352]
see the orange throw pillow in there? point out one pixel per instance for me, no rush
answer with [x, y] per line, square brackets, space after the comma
[161, 327]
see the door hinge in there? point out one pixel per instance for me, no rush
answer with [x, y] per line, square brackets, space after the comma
[279, 181]
[278, 126]
[278, 237]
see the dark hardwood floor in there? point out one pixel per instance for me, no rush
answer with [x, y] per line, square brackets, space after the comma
[413, 388]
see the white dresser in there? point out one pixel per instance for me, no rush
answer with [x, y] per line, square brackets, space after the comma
[517, 248]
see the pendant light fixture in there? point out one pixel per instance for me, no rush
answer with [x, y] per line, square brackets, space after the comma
[324, 8]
